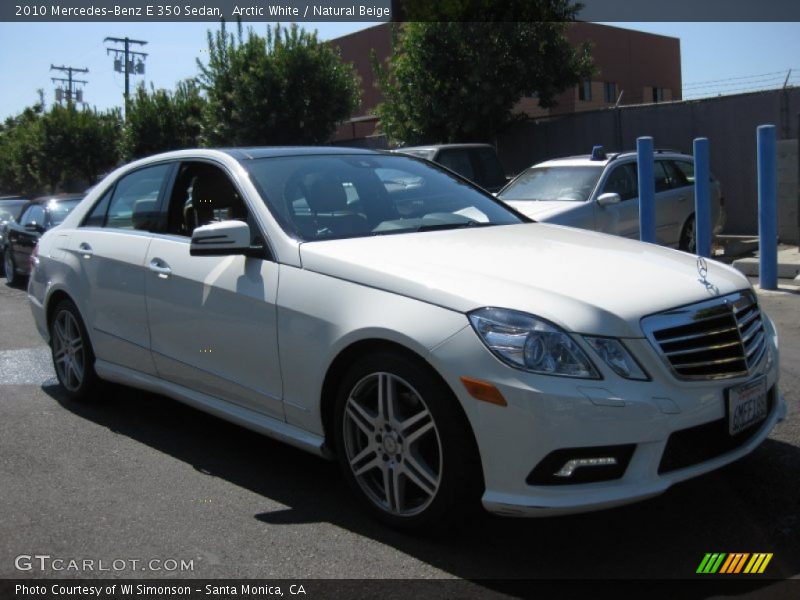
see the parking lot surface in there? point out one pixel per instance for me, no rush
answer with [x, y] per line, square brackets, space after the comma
[138, 477]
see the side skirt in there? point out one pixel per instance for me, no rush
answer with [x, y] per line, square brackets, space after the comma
[244, 417]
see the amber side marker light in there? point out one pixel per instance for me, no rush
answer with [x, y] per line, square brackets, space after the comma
[484, 391]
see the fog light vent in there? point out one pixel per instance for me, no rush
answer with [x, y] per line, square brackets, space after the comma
[582, 465]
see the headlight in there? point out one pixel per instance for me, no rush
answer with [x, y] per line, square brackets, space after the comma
[616, 356]
[527, 342]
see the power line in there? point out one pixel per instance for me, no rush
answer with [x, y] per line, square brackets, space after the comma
[71, 93]
[745, 89]
[755, 82]
[124, 61]
[702, 83]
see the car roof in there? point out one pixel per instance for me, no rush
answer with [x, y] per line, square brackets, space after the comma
[441, 146]
[275, 151]
[585, 160]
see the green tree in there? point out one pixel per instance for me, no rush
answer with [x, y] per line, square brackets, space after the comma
[20, 148]
[160, 120]
[78, 145]
[459, 81]
[61, 150]
[285, 88]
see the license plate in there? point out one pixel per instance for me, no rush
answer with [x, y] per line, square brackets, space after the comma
[747, 405]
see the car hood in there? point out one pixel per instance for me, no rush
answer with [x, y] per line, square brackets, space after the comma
[541, 210]
[584, 281]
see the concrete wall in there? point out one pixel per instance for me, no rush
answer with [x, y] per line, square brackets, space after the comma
[729, 122]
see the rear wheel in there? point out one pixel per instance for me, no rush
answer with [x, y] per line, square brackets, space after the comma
[73, 357]
[9, 268]
[404, 444]
[688, 241]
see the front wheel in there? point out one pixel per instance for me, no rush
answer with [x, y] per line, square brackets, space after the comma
[688, 240]
[404, 443]
[73, 357]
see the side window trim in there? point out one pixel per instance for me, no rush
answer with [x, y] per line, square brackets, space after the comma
[108, 192]
[162, 204]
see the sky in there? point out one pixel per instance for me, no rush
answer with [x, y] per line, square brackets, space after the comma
[715, 57]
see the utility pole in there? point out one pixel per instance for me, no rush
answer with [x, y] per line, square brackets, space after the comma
[70, 93]
[127, 66]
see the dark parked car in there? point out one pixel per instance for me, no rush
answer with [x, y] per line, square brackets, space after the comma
[476, 162]
[20, 235]
[11, 208]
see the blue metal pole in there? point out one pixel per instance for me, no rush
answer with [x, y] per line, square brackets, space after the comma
[767, 208]
[647, 190]
[702, 198]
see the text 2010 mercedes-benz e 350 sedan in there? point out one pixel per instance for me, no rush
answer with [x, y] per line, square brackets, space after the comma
[374, 308]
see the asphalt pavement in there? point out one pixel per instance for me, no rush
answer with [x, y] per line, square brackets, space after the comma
[139, 477]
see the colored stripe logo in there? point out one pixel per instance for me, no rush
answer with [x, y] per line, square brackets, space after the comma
[734, 563]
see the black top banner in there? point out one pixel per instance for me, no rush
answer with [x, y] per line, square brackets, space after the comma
[397, 10]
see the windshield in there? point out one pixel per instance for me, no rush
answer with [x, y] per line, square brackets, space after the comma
[574, 184]
[339, 196]
[59, 210]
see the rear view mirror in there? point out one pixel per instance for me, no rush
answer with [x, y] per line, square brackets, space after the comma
[221, 239]
[608, 198]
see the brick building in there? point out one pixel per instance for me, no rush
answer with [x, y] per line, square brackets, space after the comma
[632, 66]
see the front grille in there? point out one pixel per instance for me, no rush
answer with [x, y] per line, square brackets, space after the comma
[718, 338]
[689, 447]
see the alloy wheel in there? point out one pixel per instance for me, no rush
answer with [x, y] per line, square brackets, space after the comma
[68, 351]
[392, 444]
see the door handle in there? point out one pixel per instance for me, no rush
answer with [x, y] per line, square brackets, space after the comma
[160, 266]
[86, 250]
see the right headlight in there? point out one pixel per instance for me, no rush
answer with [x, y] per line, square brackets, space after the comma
[616, 355]
[530, 343]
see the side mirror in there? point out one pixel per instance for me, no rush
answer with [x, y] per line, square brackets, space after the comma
[226, 238]
[608, 199]
[34, 227]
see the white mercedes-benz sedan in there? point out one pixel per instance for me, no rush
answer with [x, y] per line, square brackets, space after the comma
[379, 310]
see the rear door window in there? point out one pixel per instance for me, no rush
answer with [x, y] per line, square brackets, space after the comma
[134, 204]
[686, 170]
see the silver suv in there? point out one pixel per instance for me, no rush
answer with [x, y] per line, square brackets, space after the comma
[601, 192]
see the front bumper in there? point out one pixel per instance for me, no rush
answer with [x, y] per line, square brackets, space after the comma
[545, 414]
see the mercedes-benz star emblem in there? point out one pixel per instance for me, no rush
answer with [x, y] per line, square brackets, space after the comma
[702, 267]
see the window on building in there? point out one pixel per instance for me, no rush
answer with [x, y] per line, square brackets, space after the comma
[658, 94]
[609, 91]
[585, 90]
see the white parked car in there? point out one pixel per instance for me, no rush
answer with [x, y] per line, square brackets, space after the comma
[601, 192]
[442, 348]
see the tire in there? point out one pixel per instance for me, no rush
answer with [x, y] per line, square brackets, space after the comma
[9, 268]
[404, 444]
[688, 240]
[73, 357]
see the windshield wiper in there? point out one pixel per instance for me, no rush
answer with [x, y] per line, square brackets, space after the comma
[459, 225]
